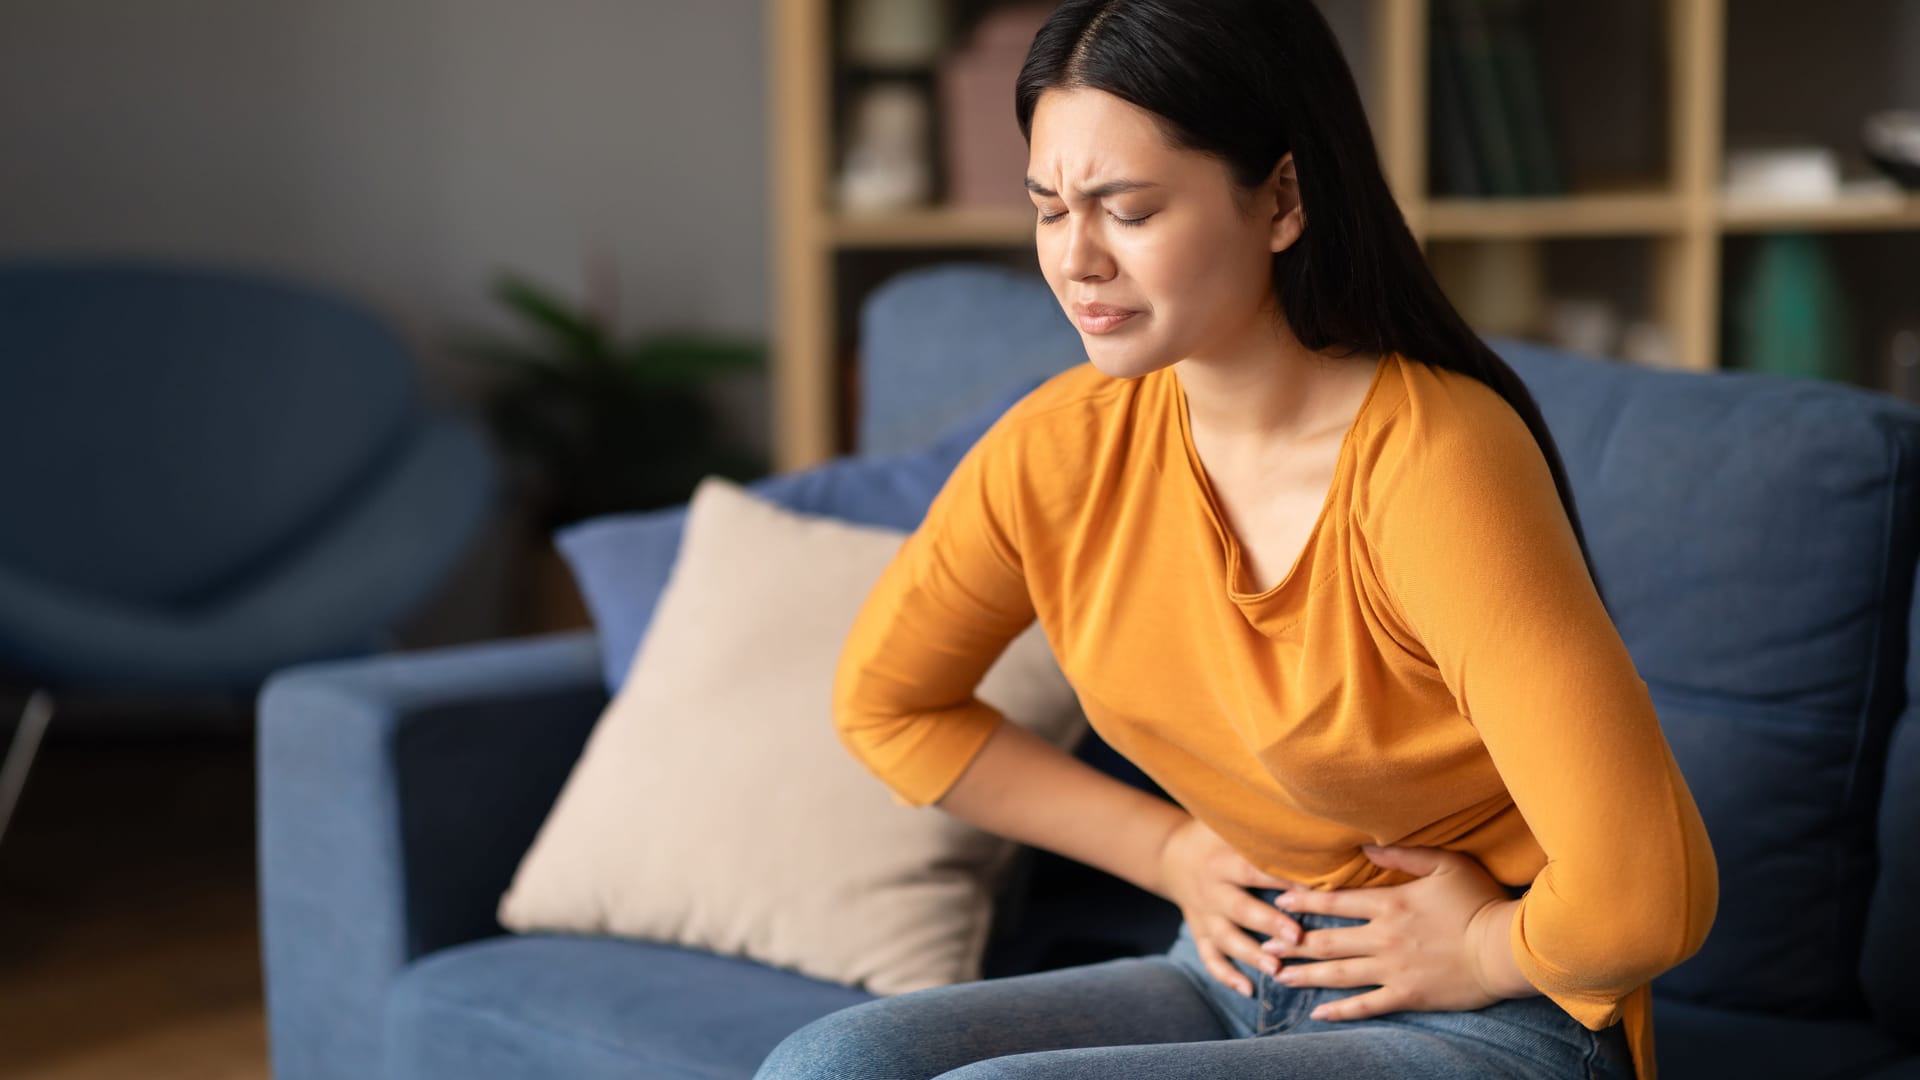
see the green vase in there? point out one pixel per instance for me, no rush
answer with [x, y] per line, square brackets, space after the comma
[1791, 316]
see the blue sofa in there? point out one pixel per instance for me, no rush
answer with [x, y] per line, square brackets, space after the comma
[1757, 538]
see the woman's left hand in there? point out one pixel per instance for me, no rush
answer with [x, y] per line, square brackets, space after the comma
[1421, 944]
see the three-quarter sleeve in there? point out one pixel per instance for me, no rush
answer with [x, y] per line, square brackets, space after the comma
[1476, 557]
[940, 614]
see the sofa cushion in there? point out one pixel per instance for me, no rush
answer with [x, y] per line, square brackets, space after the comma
[715, 806]
[1755, 537]
[549, 1005]
[622, 561]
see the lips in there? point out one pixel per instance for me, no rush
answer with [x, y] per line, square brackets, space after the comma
[1104, 324]
[1097, 310]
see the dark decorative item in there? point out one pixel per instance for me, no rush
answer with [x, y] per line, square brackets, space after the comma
[1891, 139]
[599, 425]
[1791, 315]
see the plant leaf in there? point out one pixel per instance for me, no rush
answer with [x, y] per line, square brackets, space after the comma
[580, 337]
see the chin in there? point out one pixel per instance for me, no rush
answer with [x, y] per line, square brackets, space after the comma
[1121, 363]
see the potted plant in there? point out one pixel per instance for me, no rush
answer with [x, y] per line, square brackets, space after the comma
[599, 424]
[594, 422]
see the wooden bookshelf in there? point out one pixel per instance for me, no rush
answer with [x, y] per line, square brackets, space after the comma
[1681, 217]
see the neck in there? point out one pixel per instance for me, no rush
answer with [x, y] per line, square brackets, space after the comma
[1260, 402]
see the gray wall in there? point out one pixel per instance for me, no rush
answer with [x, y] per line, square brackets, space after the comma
[400, 150]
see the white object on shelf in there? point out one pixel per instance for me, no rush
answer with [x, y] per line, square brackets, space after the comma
[1584, 325]
[1648, 344]
[1783, 173]
[886, 166]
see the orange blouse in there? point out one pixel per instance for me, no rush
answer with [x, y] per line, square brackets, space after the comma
[1436, 669]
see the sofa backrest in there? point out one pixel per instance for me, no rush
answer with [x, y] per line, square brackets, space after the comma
[1755, 536]
[1887, 970]
[939, 342]
[164, 428]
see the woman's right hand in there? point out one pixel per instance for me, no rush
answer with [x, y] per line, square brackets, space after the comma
[1208, 879]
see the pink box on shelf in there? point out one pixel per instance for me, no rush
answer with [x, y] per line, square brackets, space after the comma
[986, 159]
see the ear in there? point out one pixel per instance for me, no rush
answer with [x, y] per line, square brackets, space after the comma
[1290, 217]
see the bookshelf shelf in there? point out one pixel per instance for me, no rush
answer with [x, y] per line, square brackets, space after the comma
[1600, 214]
[1668, 56]
[1894, 213]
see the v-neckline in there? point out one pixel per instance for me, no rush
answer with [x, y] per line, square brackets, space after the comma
[1231, 544]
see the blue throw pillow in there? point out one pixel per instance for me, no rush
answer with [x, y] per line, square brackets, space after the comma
[621, 561]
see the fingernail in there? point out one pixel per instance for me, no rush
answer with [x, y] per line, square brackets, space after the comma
[1270, 965]
[1285, 900]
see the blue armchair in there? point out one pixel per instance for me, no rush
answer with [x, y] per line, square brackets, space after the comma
[1757, 538]
[210, 475]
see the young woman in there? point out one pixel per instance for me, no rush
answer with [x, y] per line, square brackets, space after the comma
[1307, 553]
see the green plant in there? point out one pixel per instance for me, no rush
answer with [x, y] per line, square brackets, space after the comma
[597, 424]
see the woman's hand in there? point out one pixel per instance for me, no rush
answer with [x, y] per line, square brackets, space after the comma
[1208, 879]
[1422, 944]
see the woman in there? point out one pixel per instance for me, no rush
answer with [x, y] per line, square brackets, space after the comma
[1306, 551]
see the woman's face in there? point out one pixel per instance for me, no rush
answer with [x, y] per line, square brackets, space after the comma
[1191, 265]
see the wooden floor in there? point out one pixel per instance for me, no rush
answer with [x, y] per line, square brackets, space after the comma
[129, 940]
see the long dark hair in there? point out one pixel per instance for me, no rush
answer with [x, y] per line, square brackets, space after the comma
[1245, 82]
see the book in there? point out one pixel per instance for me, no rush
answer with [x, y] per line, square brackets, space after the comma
[1452, 163]
[1490, 121]
[1517, 57]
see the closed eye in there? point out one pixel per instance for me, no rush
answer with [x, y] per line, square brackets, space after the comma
[1048, 219]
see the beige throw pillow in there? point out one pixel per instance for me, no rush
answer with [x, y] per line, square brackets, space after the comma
[714, 806]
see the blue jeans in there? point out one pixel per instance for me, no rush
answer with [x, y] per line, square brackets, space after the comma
[1167, 1016]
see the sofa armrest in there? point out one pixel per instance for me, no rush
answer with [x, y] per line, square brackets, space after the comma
[397, 795]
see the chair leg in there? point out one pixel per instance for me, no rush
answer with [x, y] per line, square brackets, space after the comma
[26, 740]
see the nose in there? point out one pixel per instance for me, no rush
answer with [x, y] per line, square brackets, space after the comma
[1083, 255]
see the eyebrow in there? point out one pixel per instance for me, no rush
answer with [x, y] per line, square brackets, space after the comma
[1098, 191]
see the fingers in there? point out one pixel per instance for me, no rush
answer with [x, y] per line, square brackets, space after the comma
[1330, 973]
[1326, 943]
[1218, 966]
[1350, 903]
[1238, 944]
[1224, 940]
[1358, 1007]
[1257, 915]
